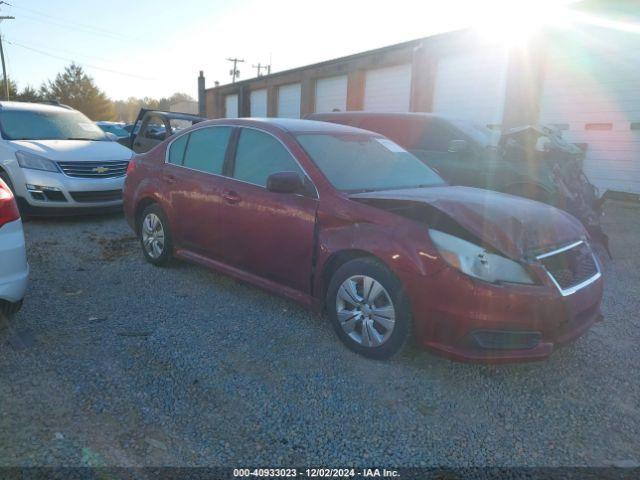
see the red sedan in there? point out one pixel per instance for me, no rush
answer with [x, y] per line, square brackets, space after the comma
[343, 219]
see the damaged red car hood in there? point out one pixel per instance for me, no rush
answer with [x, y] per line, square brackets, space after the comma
[512, 225]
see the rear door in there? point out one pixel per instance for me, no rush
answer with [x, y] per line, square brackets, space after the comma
[193, 181]
[265, 233]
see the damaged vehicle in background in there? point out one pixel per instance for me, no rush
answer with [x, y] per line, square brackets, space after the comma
[343, 219]
[530, 161]
[152, 127]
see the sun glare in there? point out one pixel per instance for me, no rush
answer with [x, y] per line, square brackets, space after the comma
[513, 23]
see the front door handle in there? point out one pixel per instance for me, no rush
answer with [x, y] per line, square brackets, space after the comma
[231, 197]
[170, 179]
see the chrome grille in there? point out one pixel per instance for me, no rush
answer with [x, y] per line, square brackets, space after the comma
[108, 169]
[571, 267]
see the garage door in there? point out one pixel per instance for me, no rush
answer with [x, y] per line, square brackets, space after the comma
[231, 106]
[472, 86]
[331, 94]
[258, 99]
[591, 91]
[388, 89]
[289, 97]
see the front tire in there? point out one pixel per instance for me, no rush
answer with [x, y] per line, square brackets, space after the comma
[155, 236]
[368, 308]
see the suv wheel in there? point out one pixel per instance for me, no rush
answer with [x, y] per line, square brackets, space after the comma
[368, 308]
[155, 236]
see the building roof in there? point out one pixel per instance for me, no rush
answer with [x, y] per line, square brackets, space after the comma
[410, 43]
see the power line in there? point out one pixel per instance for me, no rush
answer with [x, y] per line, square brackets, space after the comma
[64, 51]
[59, 22]
[82, 64]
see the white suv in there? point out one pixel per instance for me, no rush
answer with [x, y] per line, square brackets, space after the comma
[57, 161]
[14, 269]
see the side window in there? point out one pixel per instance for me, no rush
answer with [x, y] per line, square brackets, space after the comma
[435, 138]
[259, 155]
[206, 149]
[176, 150]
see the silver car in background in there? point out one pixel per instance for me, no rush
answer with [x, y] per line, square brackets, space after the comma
[57, 161]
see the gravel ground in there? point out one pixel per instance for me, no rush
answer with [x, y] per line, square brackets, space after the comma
[115, 362]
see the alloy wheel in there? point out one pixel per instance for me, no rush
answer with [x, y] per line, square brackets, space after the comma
[153, 235]
[365, 311]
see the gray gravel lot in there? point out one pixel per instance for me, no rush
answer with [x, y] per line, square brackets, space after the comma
[115, 362]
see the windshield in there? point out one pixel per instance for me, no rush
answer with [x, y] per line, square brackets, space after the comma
[48, 125]
[115, 129]
[479, 133]
[356, 163]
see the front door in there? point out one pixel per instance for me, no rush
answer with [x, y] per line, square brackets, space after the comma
[265, 233]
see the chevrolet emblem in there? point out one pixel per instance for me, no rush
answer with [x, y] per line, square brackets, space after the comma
[100, 170]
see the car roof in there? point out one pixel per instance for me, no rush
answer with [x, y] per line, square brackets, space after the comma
[294, 125]
[33, 107]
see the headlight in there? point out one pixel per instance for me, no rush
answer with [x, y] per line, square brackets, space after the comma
[35, 162]
[476, 261]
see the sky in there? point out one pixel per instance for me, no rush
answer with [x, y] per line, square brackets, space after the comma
[155, 48]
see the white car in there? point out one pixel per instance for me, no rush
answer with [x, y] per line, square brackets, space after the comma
[57, 161]
[14, 269]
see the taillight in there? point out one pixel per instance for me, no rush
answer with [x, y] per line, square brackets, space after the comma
[132, 166]
[8, 207]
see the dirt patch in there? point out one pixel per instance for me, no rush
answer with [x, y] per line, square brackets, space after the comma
[114, 248]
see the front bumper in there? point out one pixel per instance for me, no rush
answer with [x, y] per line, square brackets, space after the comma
[455, 309]
[14, 269]
[40, 192]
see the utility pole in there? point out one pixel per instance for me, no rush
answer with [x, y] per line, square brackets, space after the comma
[234, 72]
[259, 67]
[4, 68]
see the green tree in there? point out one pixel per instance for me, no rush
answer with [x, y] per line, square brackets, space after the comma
[13, 90]
[75, 88]
[29, 94]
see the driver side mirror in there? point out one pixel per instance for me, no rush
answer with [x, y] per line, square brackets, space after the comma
[285, 182]
[459, 146]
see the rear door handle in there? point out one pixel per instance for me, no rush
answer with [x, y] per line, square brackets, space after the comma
[231, 197]
[170, 179]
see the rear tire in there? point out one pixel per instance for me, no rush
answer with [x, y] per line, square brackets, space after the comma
[155, 236]
[368, 308]
[8, 308]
